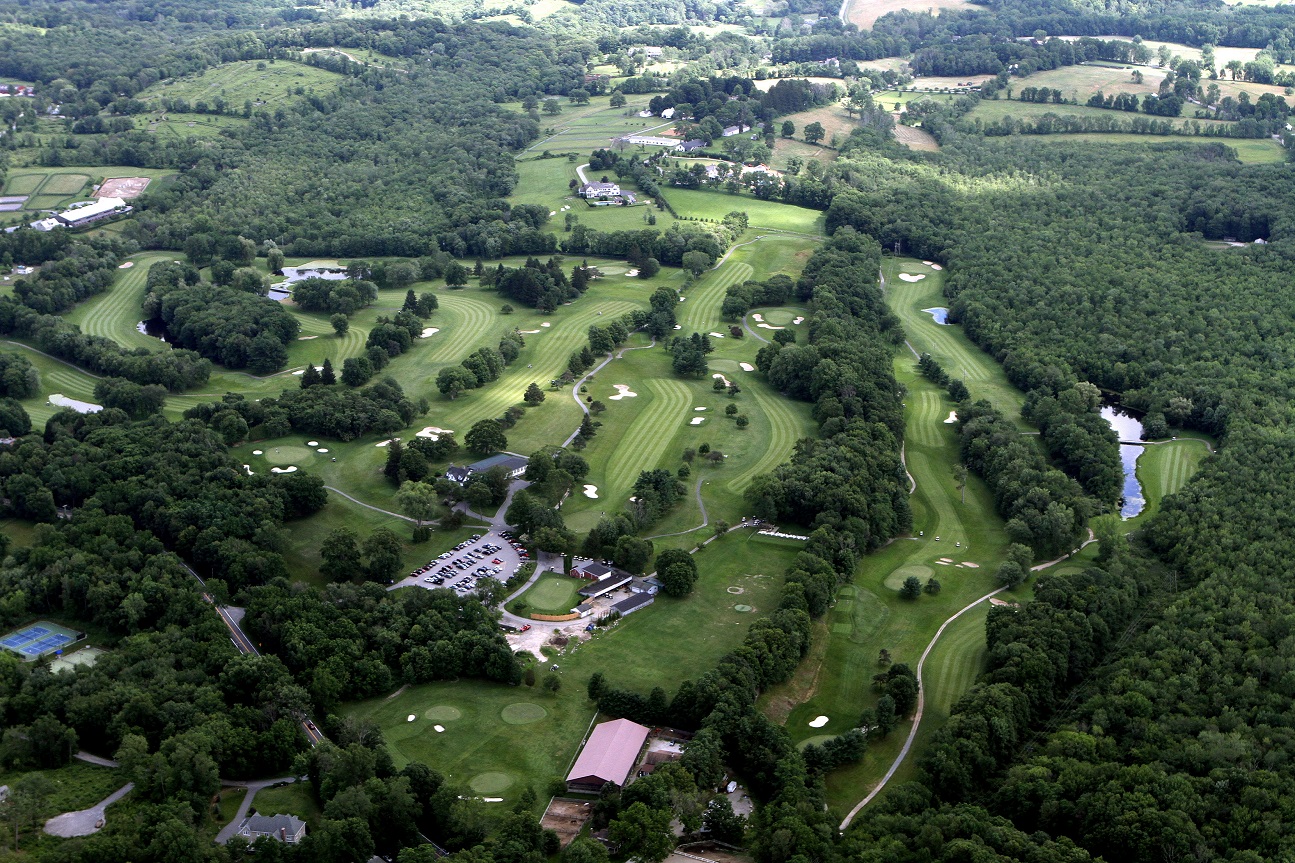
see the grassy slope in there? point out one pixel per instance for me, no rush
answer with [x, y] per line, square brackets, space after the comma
[1249, 151]
[241, 80]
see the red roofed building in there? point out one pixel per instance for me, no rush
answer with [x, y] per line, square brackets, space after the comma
[608, 756]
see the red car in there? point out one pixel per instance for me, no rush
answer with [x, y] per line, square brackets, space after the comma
[525, 626]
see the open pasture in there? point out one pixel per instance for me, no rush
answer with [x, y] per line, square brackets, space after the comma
[1249, 151]
[584, 128]
[546, 182]
[178, 127]
[863, 13]
[836, 123]
[762, 214]
[265, 83]
[995, 110]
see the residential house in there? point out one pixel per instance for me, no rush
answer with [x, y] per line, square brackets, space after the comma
[285, 828]
[600, 190]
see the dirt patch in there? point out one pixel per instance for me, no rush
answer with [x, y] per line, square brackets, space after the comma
[123, 187]
[566, 818]
[916, 139]
[804, 683]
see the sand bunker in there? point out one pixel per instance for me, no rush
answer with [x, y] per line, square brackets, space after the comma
[412, 717]
[757, 317]
[953, 418]
[591, 491]
[553, 212]
[721, 377]
[746, 367]
[322, 449]
[546, 324]
[257, 452]
[970, 565]
[716, 335]
[909, 277]
[622, 392]
[699, 409]
[631, 273]
[289, 469]
[678, 326]
[429, 331]
[769, 327]
[62, 401]
[928, 263]
[818, 722]
[799, 319]
[306, 338]
[387, 442]
[126, 266]
[300, 372]
[248, 468]
[696, 421]
[440, 729]
[433, 432]
[936, 267]
[528, 332]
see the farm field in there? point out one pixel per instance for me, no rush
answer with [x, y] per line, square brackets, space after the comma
[498, 739]
[1222, 54]
[585, 128]
[265, 83]
[863, 13]
[836, 123]
[994, 110]
[1249, 151]
[916, 139]
[1082, 81]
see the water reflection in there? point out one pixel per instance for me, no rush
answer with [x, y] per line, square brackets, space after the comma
[1129, 430]
[940, 314]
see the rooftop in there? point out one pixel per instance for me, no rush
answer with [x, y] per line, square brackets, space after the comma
[610, 752]
[633, 603]
[507, 460]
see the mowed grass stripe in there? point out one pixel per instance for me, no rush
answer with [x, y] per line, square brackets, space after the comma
[784, 430]
[706, 300]
[957, 660]
[648, 436]
[114, 313]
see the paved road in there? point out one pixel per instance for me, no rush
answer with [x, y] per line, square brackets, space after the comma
[705, 519]
[495, 521]
[86, 821]
[89, 758]
[231, 829]
[575, 388]
[756, 335]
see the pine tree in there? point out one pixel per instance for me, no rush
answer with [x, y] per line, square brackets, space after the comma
[326, 375]
[394, 453]
[411, 302]
[587, 428]
[534, 395]
[310, 378]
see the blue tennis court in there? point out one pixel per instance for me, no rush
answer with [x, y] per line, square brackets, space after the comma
[39, 639]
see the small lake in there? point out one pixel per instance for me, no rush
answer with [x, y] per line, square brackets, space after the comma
[1129, 430]
[279, 294]
[155, 328]
[940, 314]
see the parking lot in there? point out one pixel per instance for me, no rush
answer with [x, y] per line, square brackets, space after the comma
[492, 555]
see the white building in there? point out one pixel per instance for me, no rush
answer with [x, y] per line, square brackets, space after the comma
[92, 212]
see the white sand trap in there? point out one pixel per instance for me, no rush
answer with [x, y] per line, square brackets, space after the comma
[936, 267]
[126, 266]
[699, 409]
[387, 442]
[257, 452]
[970, 565]
[953, 418]
[322, 449]
[632, 273]
[529, 332]
[429, 331]
[553, 212]
[799, 319]
[312, 443]
[757, 317]
[681, 299]
[818, 722]
[591, 491]
[300, 372]
[248, 468]
[306, 338]
[492, 799]
[546, 324]
[678, 326]
[928, 263]
[746, 367]
[440, 729]
[433, 432]
[909, 277]
[696, 421]
[769, 327]
[622, 392]
[721, 377]
[944, 562]
[716, 335]
[411, 718]
[289, 469]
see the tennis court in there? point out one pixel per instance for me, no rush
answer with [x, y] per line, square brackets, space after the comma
[39, 638]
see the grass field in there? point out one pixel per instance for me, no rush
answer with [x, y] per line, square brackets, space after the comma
[916, 139]
[1249, 152]
[584, 128]
[292, 799]
[498, 739]
[178, 127]
[267, 83]
[546, 182]
[552, 594]
[1164, 468]
[993, 110]
[762, 214]
[863, 13]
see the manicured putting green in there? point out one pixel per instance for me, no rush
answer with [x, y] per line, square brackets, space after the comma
[442, 713]
[817, 740]
[896, 578]
[490, 783]
[284, 455]
[743, 608]
[521, 713]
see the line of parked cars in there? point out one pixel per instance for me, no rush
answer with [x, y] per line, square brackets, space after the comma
[472, 560]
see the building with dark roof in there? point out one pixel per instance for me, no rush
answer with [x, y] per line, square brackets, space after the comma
[515, 465]
[609, 582]
[590, 570]
[285, 828]
[608, 755]
[458, 474]
[633, 603]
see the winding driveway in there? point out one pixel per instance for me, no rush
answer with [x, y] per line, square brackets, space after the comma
[85, 821]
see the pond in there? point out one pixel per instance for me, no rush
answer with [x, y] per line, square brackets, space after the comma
[279, 294]
[1129, 430]
[156, 328]
[940, 314]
